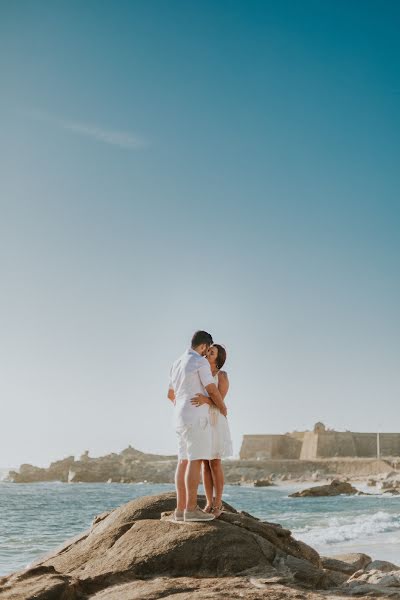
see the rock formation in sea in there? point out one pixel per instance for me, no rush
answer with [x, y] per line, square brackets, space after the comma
[131, 553]
[335, 488]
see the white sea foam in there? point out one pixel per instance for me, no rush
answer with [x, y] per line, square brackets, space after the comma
[337, 530]
[4, 473]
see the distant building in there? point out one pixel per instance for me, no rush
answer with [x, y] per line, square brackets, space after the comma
[319, 443]
[85, 456]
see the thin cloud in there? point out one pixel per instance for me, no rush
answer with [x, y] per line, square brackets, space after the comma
[123, 139]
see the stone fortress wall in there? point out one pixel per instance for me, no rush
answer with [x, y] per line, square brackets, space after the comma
[319, 444]
[270, 447]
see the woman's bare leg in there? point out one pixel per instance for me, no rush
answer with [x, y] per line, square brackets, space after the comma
[208, 484]
[218, 480]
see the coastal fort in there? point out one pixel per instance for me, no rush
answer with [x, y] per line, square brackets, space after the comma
[319, 444]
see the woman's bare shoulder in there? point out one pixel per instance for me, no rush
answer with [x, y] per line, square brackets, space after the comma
[223, 374]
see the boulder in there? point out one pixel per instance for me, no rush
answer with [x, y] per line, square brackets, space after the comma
[374, 583]
[341, 566]
[381, 565]
[376, 577]
[303, 571]
[42, 583]
[357, 560]
[132, 543]
[372, 591]
[336, 577]
[262, 483]
[335, 488]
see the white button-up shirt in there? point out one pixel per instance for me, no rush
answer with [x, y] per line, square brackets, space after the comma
[190, 375]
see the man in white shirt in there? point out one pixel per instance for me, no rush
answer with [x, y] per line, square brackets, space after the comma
[191, 375]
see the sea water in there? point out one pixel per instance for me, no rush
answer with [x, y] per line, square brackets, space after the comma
[36, 518]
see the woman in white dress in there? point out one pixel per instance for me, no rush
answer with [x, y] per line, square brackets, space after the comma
[213, 475]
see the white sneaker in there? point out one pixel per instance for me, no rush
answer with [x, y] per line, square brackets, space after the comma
[198, 515]
[178, 515]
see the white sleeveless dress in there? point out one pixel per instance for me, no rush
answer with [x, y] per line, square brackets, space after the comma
[220, 433]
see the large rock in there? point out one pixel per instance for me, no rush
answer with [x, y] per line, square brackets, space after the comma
[335, 488]
[132, 554]
[262, 483]
[346, 563]
[382, 565]
[374, 583]
[376, 577]
[357, 560]
[132, 543]
[40, 583]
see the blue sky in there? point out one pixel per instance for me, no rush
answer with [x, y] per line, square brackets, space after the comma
[171, 166]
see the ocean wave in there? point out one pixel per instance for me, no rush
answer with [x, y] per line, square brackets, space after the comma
[337, 530]
[4, 474]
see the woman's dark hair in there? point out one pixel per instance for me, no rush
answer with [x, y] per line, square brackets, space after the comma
[201, 337]
[221, 357]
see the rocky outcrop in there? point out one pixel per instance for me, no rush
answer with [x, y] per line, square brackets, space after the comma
[132, 543]
[335, 488]
[137, 552]
[129, 466]
[133, 540]
[57, 471]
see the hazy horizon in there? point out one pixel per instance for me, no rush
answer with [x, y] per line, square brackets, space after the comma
[171, 167]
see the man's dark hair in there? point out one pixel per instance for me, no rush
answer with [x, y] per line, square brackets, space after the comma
[201, 337]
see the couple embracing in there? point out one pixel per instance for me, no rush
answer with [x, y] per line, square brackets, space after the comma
[197, 389]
